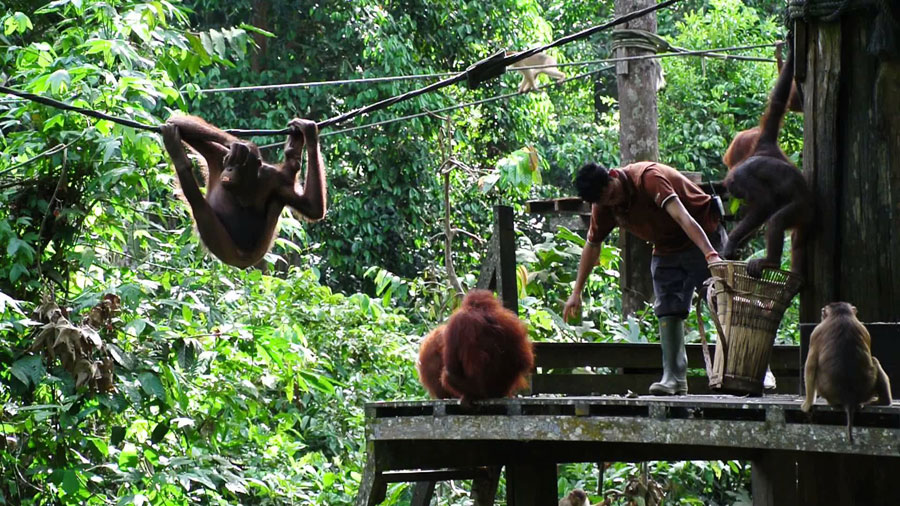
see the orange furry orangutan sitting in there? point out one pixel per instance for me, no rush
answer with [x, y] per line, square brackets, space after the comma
[482, 352]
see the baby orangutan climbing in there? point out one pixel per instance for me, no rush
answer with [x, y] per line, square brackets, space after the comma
[773, 190]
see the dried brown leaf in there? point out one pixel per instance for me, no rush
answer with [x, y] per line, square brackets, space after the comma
[84, 372]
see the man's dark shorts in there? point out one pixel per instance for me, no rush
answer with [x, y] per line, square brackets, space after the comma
[676, 276]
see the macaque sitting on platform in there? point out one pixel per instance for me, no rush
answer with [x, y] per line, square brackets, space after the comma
[840, 366]
[482, 352]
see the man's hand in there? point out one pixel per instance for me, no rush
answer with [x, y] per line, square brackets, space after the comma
[712, 256]
[572, 307]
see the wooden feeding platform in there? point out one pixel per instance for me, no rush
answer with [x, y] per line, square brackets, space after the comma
[689, 427]
[584, 405]
[570, 212]
[529, 436]
[797, 458]
[575, 214]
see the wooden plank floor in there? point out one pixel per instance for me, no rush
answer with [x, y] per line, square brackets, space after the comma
[740, 426]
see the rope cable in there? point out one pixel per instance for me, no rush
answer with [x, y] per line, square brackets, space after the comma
[453, 107]
[312, 84]
[87, 112]
[703, 52]
[713, 52]
[717, 52]
[485, 67]
[464, 75]
[467, 104]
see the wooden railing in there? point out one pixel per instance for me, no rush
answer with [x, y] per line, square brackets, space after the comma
[620, 368]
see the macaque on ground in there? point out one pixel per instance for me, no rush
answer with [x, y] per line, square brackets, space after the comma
[576, 497]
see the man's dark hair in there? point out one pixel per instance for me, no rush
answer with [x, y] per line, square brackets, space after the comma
[591, 180]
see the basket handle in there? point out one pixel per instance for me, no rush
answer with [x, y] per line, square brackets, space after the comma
[714, 315]
[703, 337]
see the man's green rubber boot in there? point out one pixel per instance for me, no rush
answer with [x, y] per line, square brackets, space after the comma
[671, 337]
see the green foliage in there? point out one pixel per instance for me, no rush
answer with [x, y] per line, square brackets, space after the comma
[520, 169]
[210, 406]
[60, 171]
[248, 386]
[706, 100]
[684, 483]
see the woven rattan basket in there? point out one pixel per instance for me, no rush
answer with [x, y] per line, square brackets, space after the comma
[746, 312]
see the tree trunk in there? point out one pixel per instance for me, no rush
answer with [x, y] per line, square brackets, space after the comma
[638, 137]
[259, 57]
[851, 157]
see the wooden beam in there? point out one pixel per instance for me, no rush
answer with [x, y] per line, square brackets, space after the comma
[759, 424]
[421, 475]
[531, 482]
[539, 206]
[641, 355]
[773, 479]
[571, 205]
[504, 229]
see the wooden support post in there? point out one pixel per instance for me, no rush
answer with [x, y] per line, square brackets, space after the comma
[821, 91]
[422, 492]
[484, 490]
[531, 483]
[506, 271]
[773, 480]
[638, 141]
[851, 163]
[601, 471]
[498, 270]
[848, 480]
[372, 487]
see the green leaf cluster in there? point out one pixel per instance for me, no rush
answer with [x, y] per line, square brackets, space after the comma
[249, 386]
